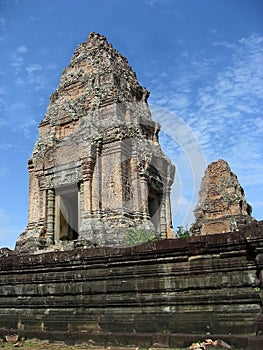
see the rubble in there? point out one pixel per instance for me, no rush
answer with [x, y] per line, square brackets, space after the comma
[210, 344]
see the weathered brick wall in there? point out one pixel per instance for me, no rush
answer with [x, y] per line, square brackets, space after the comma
[97, 141]
[198, 285]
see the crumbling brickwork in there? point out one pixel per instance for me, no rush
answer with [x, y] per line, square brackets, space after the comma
[222, 206]
[97, 168]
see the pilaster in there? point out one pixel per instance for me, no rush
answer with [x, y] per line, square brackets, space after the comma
[50, 216]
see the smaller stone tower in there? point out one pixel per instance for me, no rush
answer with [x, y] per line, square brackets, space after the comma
[222, 206]
[97, 169]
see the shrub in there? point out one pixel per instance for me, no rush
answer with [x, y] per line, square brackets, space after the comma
[135, 236]
[182, 232]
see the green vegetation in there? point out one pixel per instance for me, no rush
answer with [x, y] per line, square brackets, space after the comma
[182, 231]
[135, 236]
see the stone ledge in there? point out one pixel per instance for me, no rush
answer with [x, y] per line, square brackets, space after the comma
[195, 285]
[178, 248]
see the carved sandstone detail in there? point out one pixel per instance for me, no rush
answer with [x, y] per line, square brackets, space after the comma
[97, 168]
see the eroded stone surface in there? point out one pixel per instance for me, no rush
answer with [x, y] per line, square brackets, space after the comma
[222, 206]
[98, 168]
[133, 294]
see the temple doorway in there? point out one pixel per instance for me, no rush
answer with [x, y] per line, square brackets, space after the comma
[67, 213]
[154, 206]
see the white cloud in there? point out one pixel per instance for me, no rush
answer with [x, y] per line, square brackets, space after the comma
[2, 122]
[27, 126]
[213, 31]
[258, 124]
[2, 29]
[6, 146]
[37, 75]
[151, 2]
[20, 81]
[21, 49]
[17, 106]
[220, 99]
[2, 90]
[16, 58]
[228, 102]
[52, 66]
[182, 147]
[32, 68]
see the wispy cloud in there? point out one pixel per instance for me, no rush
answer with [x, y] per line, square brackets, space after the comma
[162, 2]
[16, 58]
[7, 146]
[21, 49]
[2, 29]
[27, 72]
[150, 2]
[220, 99]
[2, 90]
[20, 116]
[2, 122]
[18, 106]
[33, 68]
[229, 106]
[27, 126]
[183, 149]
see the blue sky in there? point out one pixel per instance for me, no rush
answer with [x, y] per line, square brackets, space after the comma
[200, 59]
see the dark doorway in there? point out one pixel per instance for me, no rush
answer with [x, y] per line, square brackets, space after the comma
[67, 214]
[154, 203]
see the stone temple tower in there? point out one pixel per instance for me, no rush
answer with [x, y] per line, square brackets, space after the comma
[222, 206]
[97, 169]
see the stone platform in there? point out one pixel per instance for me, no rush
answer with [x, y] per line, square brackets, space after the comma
[168, 291]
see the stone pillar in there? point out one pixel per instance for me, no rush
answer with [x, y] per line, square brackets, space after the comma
[135, 187]
[144, 196]
[167, 196]
[98, 175]
[33, 200]
[163, 214]
[87, 170]
[50, 216]
[57, 218]
[87, 196]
